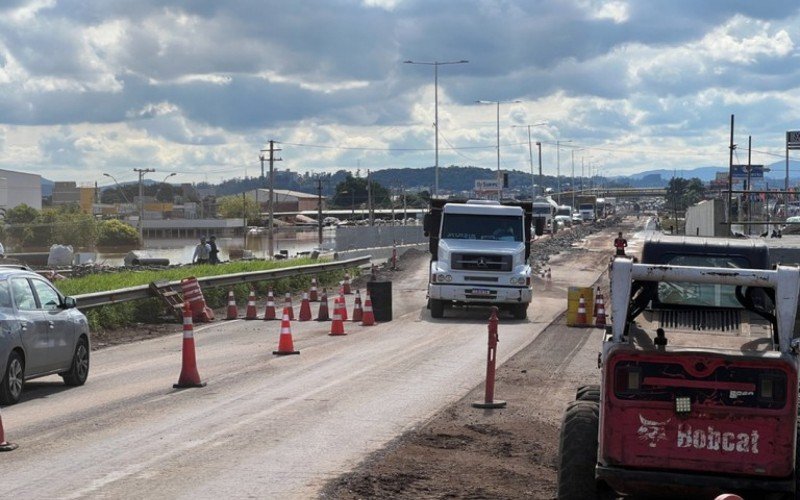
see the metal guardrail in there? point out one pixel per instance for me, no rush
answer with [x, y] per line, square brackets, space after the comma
[97, 299]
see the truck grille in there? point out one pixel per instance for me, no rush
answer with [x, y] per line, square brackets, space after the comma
[700, 319]
[482, 262]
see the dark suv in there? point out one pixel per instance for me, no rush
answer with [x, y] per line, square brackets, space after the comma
[41, 333]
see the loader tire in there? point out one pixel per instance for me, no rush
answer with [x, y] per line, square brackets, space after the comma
[577, 453]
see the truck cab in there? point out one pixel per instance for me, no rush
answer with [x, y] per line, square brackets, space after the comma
[479, 255]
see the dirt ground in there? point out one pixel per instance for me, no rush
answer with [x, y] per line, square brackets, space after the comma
[463, 452]
[468, 453]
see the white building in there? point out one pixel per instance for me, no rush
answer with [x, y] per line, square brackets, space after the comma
[17, 188]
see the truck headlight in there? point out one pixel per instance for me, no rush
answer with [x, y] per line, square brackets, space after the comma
[448, 278]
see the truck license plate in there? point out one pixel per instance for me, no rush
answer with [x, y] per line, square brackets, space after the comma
[481, 291]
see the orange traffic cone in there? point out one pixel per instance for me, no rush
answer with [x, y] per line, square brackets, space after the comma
[597, 298]
[189, 376]
[346, 285]
[581, 318]
[337, 325]
[233, 311]
[285, 344]
[251, 306]
[600, 320]
[269, 312]
[288, 305]
[358, 313]
[343, 303]
[368, 318]
[312, 294]
[5, 445]
[323, 307]
[305, 309]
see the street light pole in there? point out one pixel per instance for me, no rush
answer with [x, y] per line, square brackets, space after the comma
[572, 185]
[499, 178]
[141, 172]
[558, 168]
[541, 177]
[530, 154]
[122, 191]
[436, 65]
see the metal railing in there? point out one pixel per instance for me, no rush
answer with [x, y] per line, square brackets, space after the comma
[97, 299]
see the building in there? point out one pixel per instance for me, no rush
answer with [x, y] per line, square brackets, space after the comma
[69, 193]
[285, 200]
[17, 188]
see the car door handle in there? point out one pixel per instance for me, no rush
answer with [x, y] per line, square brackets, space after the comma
[23, 325]
[51, 324]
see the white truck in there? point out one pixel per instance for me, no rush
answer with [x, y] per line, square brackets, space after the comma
[542, 215]
[479, 255]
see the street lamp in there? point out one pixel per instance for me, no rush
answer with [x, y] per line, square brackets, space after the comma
[118, 187]
[530, 154]
[161, 185]
[141, 172]
[500, 195]
[558, 168]
[436, 65]
[573, 176]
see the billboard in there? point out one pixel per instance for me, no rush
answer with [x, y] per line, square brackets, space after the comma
[740, 171]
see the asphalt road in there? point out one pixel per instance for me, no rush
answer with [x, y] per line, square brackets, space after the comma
[264, 426]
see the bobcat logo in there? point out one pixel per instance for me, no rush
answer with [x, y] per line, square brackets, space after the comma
[651, 431]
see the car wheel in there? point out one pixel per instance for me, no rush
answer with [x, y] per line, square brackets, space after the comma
[79, 371]
[437, 308]
[13, 380]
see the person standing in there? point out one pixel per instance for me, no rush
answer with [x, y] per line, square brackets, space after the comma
[213, 254]
[620, 243]
[201, 252]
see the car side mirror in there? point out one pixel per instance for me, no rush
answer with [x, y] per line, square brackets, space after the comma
[70, 303]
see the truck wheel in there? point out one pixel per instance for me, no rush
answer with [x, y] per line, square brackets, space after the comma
[577, 453]
[520, 311]
[588, 393]
[437, 308]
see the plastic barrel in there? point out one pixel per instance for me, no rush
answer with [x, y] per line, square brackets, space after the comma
[381, 294]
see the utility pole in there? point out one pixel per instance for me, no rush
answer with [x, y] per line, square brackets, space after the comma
[319, 211]
[141, 172]
[369, 200]
[270, 226]
[405, 207]
[730, 177]
[541, 178]
[749, 181]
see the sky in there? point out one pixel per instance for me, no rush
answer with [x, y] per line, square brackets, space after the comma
[199, 87]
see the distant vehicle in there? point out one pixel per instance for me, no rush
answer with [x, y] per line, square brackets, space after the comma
[587, 207]
[542, 215]
[43, 333]
[564, 220]
[576, 218]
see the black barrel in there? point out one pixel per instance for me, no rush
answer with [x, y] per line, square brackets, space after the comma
[150, 262]
[381, 294]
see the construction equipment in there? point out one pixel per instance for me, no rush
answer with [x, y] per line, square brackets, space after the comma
[698, 390]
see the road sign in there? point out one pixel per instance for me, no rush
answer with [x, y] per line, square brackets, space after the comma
[487, 185]
[740, 171]
[793, 139]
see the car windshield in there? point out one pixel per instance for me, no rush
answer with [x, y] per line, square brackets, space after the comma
[698, 294]
[482, 227]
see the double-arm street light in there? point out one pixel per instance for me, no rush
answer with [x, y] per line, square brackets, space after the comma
[530, 154]
[436, 65]
[558, 167]
[142, 172]
[158, 191]
[122, 191]
[498, 103]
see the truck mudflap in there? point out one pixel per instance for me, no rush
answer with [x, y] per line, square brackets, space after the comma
[699, 413]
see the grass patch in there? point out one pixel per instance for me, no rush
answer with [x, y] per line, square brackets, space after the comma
[153, 310]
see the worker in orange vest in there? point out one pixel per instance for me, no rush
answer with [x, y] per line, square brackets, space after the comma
[620, 243]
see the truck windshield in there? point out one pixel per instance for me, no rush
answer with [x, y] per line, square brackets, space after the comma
[564, 211]
[482, 227]
[697, 294]
[586, 206]
[541, 210]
